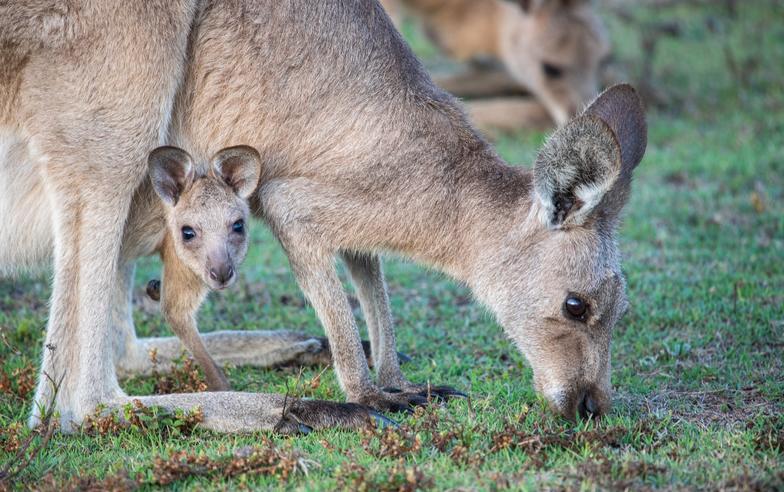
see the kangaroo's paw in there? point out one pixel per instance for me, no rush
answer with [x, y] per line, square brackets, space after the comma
[303, 416]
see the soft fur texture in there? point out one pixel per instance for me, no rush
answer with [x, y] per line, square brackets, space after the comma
[362, 154]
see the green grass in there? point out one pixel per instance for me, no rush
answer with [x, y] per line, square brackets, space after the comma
[697, 362]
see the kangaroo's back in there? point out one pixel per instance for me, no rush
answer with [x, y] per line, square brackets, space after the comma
[317, 80]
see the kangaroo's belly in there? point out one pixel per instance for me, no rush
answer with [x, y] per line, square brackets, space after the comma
[26, 238]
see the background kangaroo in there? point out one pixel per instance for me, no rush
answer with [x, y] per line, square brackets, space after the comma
[362, 154]
[550, 48]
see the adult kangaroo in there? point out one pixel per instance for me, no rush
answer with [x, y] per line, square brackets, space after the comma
[87, 90]
[362, 154]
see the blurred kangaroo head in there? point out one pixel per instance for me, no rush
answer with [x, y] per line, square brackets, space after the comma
[207, 210]
[554, 48]
[555, 280]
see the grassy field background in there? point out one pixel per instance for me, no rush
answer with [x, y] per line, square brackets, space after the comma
[697, 361]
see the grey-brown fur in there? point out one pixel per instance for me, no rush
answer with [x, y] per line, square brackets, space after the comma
[362, 154]
[394, 166]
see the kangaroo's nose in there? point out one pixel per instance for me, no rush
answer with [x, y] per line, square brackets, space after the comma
[222, 273]
[587, 407]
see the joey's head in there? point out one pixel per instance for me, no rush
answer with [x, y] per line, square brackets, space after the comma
[206, 208]
[555, 48]
[554, 278]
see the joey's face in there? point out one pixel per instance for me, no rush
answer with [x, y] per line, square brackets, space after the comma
[556, 52]
[209, 229]
[207, 211]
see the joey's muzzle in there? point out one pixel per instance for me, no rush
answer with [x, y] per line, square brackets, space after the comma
[221, 273]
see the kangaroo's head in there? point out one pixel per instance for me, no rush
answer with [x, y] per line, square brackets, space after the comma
[207, 211]
[554, 279]
[554, 48]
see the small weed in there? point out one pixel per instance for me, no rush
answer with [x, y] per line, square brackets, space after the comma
[399, 478]
[37, 440]
[610, 476]
[184, 376]
[389, 442]
[11, 437]
[119, 482]
[136, 416]
[266, 459]
[20, 383]
[447, 435]
[768, 434]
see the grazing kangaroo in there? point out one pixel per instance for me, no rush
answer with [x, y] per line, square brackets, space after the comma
[394, 166]
[362, 154]
[550, 48]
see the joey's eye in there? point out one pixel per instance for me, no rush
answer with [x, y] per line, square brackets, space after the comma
[239, 227]
[552, 71]
[576, 308]
[188, 233]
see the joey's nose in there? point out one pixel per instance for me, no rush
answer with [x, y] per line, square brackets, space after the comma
[587, 406]
[222, 274]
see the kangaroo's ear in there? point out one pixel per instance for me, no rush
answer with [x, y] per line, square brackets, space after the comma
[239, 167]
[590, 160]
[171, 172]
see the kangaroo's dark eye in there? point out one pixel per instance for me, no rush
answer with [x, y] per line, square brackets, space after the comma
[552, 71]
[239, 227]
[576, 308]
[188, 233]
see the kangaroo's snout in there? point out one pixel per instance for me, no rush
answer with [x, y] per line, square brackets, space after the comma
[588, 407]
[589, 402]
[222, 273]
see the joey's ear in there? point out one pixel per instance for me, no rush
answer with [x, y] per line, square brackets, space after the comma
[171, 171]
[239, 167]
[590, 160]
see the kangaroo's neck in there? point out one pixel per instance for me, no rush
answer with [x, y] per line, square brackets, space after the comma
[451, 197]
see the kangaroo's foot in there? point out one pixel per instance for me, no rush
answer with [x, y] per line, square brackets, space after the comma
[302, 416]
[250, 412]
[407, 399]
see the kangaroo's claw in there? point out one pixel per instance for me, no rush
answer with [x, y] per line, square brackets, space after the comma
[394, 400]
[442, 392]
